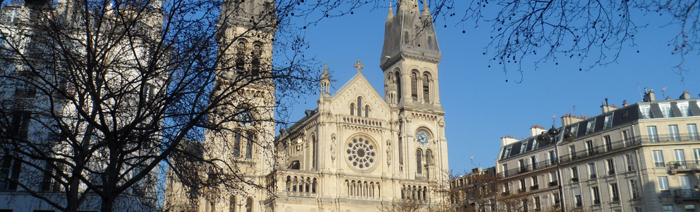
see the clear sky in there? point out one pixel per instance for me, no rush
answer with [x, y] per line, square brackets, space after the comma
[481, 107]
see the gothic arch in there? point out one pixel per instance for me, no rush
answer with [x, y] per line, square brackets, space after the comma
[419, 161]
[427, 83]
[414, 84]
[397, 78]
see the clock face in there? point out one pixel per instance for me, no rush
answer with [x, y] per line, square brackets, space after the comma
[422, 138]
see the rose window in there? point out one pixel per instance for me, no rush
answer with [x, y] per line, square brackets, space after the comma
[361, 153]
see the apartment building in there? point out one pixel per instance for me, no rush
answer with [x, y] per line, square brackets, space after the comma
[639, 157]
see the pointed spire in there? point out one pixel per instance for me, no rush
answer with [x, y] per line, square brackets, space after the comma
[391, 13]
[324, 75]
[426, 11]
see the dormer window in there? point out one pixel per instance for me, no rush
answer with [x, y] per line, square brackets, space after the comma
[666, 110]
[684, 108]
[646, 111]
[608, 121]
[591, 126]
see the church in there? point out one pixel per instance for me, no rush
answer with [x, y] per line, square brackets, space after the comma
[358, 150]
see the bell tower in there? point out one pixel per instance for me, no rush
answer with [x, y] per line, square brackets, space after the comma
[409, 60]
[410, 57]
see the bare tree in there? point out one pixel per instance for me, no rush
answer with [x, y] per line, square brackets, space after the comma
[97, 95]
[592, 32]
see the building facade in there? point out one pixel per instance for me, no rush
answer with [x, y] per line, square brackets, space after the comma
[358, 150]
[638, 157]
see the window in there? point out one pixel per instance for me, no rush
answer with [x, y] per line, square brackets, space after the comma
[237, 144]
[595, 191]
[608, 121]
[314, 152]
[615, 192]
[414, 86]
[574, 129]
[522, 185]
[249, 204]
[590, 128]
[626, 137]
[552, 158]
[535, 184]
[673, 131]
[232, 204]
[552, 177]
[352, 109]
[637, 209]
[523, 147]
[537, 203]
[366, 110]
[359, 106]
[419, 167]
[683, 107]
[608, 143]
[653, 135]
[249, 145]
[10, 168]
[20, 124]
[646, 111]
[589, 146]
[658, 158]
[505, 170]
[666, 110]
[663, 186]
[633, 189]
[668, 208]
[689, 208]
[574, 174]
[611, 166]
[405, 37]
[521, 163]
[693, 132]
[680, 157]
[577, 197]
[398, 84]
[426, 87]
[572, 152]
[630, 162]
[591, 170]
[533, 161]
[49, 183]
[696, 152]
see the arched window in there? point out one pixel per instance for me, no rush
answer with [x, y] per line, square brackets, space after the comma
[366, 110]
[359, 106]
[426, 87]
[240, 56]
[419, 161]
[400, 152]
[237, 144]
[429, 157]
[249, 204]
[352, 109]
[255, 62]
[398, 84]
[232, 204]
[414, 86]
[249, 145]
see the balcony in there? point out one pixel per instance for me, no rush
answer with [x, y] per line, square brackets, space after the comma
[616, 199]
[598, 150]
[527, 168]
[681, 195]
[534, 187]
[574, 179]
[683, 166]
[553, 183]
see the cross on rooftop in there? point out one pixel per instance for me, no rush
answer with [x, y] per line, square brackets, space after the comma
[359, 66]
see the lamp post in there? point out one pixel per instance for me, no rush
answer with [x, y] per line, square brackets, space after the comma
[550, 136]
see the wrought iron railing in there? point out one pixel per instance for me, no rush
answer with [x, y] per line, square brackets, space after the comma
[688, 165]
[627, 143]
[527, 168]
[682, 194]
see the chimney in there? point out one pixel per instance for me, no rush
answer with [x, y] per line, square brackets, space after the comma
[624, 103]
[685, 95]
[536, 130]
[477, 170]
[569, 119]
[649, 95]
[509, 139]
[606, 107]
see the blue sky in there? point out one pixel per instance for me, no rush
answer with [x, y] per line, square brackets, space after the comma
[481, 107]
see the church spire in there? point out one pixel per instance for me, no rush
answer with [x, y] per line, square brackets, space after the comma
[426, 11]
[391, 13]
[325, 81]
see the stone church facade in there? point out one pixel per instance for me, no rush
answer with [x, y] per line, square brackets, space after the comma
[358, 150]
